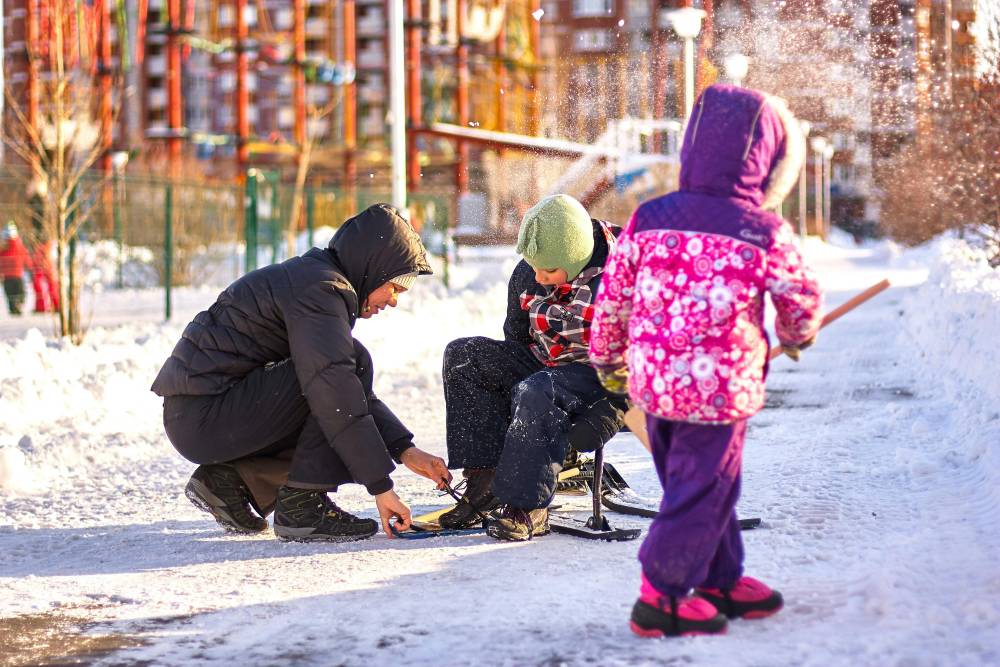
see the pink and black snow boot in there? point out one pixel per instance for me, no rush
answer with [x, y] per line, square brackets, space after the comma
[748, 598]
[657, 615]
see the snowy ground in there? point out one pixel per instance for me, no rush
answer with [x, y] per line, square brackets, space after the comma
[875, 468]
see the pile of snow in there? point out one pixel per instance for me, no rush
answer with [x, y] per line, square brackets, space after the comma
[951, 324]
[67, 409]
[953, 320]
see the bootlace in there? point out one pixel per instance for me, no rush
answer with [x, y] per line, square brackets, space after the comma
[461, 499]
[517, 515]
[232, 483]
[335, 512]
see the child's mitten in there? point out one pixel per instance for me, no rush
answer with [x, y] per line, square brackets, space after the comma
[615, 381]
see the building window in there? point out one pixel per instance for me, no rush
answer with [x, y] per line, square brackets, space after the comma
[227, 82]
[638, 9]
[593, 40]
[592, 7]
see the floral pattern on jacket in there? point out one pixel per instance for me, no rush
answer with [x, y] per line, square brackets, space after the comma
[684, 310]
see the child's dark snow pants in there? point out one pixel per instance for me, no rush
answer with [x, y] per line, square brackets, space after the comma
[695, 539]
[507, 410]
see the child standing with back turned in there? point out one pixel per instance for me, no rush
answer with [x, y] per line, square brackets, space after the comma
[679, 326]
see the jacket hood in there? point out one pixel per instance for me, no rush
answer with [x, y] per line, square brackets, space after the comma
[376, 246]
[743, 144]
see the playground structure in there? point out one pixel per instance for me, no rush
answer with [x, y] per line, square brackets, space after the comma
[473, 70]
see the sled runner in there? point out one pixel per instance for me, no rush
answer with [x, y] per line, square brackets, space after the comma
[597, 526]
[616, 494]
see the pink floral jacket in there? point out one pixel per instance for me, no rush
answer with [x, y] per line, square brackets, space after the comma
[682, 305]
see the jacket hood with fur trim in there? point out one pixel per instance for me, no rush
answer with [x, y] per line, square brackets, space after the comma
[743, 144]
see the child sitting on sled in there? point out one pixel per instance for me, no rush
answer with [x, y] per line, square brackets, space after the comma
[515, 407]
[679, 327]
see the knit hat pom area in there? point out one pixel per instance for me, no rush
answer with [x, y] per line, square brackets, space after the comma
[556, 233]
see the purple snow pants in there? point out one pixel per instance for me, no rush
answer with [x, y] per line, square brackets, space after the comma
[695, 539]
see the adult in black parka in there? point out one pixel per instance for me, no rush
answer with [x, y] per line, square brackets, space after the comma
[271, 394]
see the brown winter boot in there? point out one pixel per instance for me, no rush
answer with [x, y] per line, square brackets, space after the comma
[517, 525]
[476, 498]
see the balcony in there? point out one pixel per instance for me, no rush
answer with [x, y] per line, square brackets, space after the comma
[372, 94]
[156, 66]
[371, 58]
[371, 24]
[316, 27]
[156, 98]
[317, 95]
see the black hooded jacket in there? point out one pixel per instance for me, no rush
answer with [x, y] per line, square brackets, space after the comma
[304, 309]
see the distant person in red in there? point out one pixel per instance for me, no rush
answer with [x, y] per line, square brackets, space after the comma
[42, 279]
[13, 257]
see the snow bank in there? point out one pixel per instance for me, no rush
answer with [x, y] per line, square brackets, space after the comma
[951, 324]
[68, 410]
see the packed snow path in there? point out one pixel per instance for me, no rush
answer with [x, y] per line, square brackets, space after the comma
[877, 486]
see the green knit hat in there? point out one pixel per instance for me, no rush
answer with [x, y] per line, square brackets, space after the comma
[556, 233]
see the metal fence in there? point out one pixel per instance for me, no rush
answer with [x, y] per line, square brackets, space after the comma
[149, 232]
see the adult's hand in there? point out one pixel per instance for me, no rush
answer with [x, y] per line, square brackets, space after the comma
[427, 465]
[391, 507]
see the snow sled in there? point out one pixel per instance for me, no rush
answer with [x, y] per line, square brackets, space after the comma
[426, 525]
[616, 494]
[596, 527]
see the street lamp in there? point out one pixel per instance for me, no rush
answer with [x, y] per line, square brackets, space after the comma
[736, 66]
[397, 103]
[805, 126]
[818, 144]
[827, 176]
[118, 161]
[686, 22]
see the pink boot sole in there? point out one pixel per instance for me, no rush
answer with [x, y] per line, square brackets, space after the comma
[653, 633]
[760, 614]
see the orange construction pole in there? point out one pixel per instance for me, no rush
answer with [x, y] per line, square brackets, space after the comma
[535, 35]
[299, 75]
[242, 93]
[31, 36]
[174, 111]
[462, 98]
[104, 68]
[413, 91]
[499, 72]
[350, 98]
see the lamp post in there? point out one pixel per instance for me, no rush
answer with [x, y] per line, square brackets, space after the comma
[686, 22]
[818, 145]
[805, 126]
[118, 161]
[397, 103]
[827, 198]
[736, 66]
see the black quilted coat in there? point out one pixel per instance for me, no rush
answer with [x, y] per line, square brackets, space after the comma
[304, 309]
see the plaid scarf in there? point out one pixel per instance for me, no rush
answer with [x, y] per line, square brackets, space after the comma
[559, 317]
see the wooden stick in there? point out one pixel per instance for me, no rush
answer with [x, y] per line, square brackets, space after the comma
[635, 418]
[843, 308]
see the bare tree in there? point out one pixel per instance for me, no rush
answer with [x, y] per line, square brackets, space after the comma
[950, 179]
[303, 163]
[60, 142]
